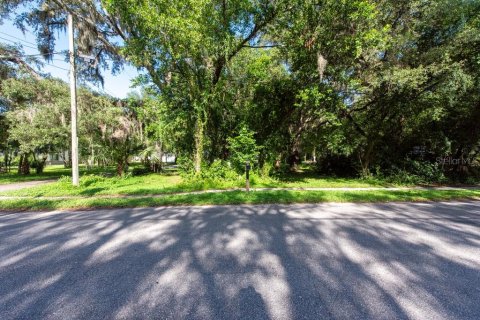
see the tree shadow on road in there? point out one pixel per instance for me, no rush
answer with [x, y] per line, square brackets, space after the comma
[243, 262]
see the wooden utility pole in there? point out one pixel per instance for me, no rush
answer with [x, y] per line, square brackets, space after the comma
[73, 99]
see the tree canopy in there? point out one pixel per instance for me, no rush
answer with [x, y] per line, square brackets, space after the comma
[357, 86]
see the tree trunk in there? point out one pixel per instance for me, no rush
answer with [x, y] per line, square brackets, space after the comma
[24, 165]
[10, 159]
[366, 158]
[67, 159]
[120, 167]
[146, 162]
[40, 165]
[294, 160]
[198, 144]
[91, 161]
[158, 149]
[20, 162]
[6, 159]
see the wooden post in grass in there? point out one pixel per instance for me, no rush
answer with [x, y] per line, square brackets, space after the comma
[247, 175]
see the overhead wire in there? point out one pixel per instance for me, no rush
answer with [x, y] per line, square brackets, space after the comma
[13, 41]
[35, 54]
[36, 48]
[17, 38]
[52, 65]
[32, 45]
[38, 54]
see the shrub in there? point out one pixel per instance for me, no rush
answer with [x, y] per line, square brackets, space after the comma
[138, 171]
[38, 165]
[417, 172]
[217, 175]
[219, 170]
[186, 167]
[267, 170]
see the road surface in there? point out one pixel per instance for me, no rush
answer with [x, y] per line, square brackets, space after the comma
[323, 261]
[23, 185]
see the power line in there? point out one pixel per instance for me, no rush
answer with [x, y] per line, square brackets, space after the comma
[37, 55]
[14, 42]
[48, 64]
[42, 54]
[33, 55]
[36, 48]
[52, 65]
[9, 35]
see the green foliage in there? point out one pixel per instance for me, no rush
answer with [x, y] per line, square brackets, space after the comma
[219, 170]
[140, 171]
[355, 85]
[417, 172]
[185, 166]
[243, 148]
[33, 105]
[219, 174]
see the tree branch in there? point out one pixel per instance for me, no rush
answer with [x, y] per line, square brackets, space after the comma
[22, 64]
[220, 62]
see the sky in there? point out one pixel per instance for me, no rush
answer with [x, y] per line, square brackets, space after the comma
[117, 86]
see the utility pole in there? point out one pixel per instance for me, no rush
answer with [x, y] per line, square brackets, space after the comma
[73, 99]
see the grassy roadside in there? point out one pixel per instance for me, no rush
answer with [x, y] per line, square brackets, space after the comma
[154, 184]
[239, 197]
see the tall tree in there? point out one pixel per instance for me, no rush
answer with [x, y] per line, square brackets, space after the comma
[187, 46]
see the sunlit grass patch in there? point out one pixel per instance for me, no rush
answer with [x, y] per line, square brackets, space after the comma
[241, 197]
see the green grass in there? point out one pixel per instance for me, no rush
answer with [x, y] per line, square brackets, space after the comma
[50, 172]
[239, 197]
[312, 180]
[152, 184]
[95, 190]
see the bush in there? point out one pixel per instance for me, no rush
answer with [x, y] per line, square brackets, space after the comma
[417, 172]
[219, 170]
[38, 166]
[186, 167]
[140, 171]
[267, 170]
[218, 174]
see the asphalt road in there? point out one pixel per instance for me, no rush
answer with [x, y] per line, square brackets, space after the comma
[328, 261]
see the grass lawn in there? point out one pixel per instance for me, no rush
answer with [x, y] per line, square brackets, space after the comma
[94, 191]
[240, 197]
[153, 184]
[50, 172]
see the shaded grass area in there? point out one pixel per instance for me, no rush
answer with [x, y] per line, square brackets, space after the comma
[50, 172]
[240, 197]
